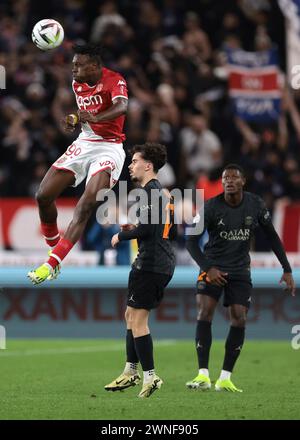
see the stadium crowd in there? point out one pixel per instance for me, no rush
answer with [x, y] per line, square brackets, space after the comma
[171, 54]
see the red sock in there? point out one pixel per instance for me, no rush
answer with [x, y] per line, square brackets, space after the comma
[59, 252]
[50, 233]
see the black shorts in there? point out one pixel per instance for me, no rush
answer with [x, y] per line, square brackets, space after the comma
[146, 289]
[236, 291]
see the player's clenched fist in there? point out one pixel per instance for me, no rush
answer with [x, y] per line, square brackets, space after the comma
[115, 240]
[70, 122]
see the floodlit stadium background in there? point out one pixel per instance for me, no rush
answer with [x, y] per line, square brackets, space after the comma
[173, 56]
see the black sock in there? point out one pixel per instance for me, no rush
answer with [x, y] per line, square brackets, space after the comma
[130, 348]
[233, 347]
[203, 342]
[144, 349]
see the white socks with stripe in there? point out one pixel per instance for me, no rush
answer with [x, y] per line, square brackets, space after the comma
[225, 375]
[130, 368]
[204, 371]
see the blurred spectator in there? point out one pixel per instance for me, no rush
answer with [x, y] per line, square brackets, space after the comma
[108, 17]
[99, 235]
[166, 176]
[201, 148]
[211, 183]
[99, 238]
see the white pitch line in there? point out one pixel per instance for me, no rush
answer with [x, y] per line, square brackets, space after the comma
[71, 350]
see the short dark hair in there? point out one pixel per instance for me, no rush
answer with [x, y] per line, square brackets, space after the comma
[152, 152]
[91, 50]
[234, 166]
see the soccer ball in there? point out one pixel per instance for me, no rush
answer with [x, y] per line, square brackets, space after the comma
[47, 34]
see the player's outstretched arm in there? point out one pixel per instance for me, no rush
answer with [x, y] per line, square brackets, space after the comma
[138, 232]
[278, 249]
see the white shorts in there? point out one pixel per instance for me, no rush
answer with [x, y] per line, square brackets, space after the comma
[85, 158]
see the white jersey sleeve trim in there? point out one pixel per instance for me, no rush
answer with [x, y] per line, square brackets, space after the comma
[56, 257]
[119, 96]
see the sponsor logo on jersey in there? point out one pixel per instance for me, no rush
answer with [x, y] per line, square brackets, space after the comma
[121, 83]
[220, 222]
[248, 221]
[88, 101]
[236, 235]
[107, 163]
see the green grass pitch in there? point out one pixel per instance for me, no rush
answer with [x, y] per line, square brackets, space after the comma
[64, 379]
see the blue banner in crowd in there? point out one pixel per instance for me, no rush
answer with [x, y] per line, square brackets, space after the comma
[254, 85]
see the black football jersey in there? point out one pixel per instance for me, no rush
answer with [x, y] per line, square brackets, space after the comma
[230, 230]
[155, 248]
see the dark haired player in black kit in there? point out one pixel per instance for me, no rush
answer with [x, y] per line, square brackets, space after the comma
[151, 271]
[230, 219]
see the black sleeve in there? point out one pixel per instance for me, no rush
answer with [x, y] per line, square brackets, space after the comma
[197, 255]
[277, 246]
[192, 241]
[173, 232]
[145, 228]
[264, 219]
[140, 232]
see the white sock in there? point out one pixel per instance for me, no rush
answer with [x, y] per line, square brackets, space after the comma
[225, 375]
[130, 368]
[49, 266]
[204, 371]
[148, 376]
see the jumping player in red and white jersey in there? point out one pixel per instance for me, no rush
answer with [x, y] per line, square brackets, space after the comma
[97, 154]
